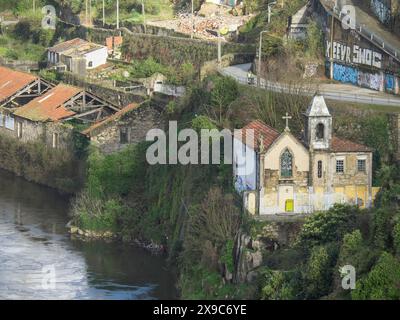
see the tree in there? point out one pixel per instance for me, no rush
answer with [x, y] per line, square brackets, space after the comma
[225, 91]
[382, 282]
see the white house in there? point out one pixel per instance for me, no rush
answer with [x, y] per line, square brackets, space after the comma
[280, 173]
[77, 56]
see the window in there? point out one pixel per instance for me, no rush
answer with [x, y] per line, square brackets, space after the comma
[56, 141]
[339, 166]
[19, 130]
[123, 135]
[90, 64]
[9, 122]
[286, 164]
[361, 165]
[320, 131]
[319, 169]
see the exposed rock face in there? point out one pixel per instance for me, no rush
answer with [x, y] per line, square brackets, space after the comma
[249, 250]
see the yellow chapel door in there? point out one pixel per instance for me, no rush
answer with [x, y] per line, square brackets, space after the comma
[286, 199]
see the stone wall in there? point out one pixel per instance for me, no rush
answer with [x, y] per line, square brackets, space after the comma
[350, 176]
[25, 66]
[135, 123]
[162, 45]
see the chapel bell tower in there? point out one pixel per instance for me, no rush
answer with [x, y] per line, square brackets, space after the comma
[318, 124]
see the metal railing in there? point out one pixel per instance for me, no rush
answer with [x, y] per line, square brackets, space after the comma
[328, 94]
[367, 34]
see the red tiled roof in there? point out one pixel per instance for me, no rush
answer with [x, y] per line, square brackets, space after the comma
[49, 106]
[268, 134]
[114, 117]
[12, 81]
[342, 145]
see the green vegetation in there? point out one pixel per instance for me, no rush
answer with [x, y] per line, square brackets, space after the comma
[185, 74]
[284, 58]
[193, 211]
[250, 31]
[177, 51]
[38, 163]
[26, 41]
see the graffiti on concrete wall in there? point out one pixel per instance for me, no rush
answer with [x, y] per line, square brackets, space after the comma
[353, 54]
[389, 82]
[345, 74]
[382, 10]
[370, 80]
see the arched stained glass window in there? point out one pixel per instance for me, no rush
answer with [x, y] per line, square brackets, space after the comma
[286, 164]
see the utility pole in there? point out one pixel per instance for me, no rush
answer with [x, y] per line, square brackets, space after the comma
[86, 12]
[219, 48]
[34, 6]
[259, 59]
[104, 13]
[270, 10]
[90, 12]
[117, 14]
[331, 51]
[192, 19]
[144, 17]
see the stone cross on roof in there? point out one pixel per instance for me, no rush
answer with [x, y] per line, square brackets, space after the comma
[287, 118]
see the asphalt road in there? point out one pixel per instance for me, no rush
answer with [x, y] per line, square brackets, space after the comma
[339, 92]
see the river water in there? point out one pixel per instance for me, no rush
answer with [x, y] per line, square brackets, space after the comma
[39, 260]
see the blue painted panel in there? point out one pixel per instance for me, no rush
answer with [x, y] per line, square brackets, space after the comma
[389, 82]
[345, 74]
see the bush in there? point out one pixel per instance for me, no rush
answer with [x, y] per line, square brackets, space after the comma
[315, 40]
[97, 215]
[171, 107]
[277, 285]
[202, 122]
[11, 54]
[318, 272]
[328, 226]
[357, 253]
[382, 283]
[396, 237]
[382, 227]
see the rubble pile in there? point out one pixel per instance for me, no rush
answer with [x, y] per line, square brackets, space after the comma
[207, 21]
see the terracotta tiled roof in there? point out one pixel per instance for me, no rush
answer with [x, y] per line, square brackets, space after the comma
[49, 106]
[116, 116]
[268, 134]
[12, 81]
[342, 145]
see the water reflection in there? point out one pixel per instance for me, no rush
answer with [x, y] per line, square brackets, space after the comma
[38, 260]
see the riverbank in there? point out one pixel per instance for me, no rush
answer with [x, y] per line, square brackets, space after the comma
[91, 235]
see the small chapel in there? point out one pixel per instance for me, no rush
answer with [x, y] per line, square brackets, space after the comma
[285, 174]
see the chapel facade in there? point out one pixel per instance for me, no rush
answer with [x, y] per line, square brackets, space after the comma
[285, 174]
